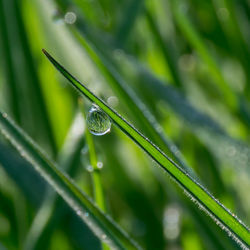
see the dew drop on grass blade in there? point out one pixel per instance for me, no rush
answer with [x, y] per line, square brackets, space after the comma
[221, 215]
[98, 122]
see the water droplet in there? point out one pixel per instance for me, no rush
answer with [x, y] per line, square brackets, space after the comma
[99, 165]
[104, 236]
[86, 214]
[5, 115]
[84, 150]
[98, 122]
[171, 222]
[79, 212]
[90, 168]
[113, 101]
[70, 18]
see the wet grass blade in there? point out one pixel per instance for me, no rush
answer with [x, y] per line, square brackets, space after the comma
[221, 215]
[104, 228]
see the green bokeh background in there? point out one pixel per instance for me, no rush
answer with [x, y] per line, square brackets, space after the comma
[187, 60]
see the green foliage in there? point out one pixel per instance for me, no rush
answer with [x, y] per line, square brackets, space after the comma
[178, 70]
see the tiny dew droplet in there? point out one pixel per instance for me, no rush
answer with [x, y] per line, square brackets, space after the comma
[70, 17]
[90, 168]
[98, 122]
[99, 164]
[104, 236]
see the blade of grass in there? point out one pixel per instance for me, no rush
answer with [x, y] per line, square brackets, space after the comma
[23, 84]
[222, 216]
[232, 100]
[8, 65]
[95, 173]
[131, 12]
[231, 28]
[103, 44]
[166, 48]
[139, 110]
[198, 44]
[201, 124]
[69, 159]
[23, 174]
[98, 222]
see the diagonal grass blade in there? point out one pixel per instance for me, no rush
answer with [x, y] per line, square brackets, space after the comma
[103, 226]
[221, 215]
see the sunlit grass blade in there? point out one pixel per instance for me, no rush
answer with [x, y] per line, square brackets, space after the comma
[98, 222]
[214, 208]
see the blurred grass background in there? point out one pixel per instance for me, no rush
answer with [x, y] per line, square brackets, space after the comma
[187, 60]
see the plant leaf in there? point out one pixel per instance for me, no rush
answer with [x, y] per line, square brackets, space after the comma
[222, 216]
[98, 222]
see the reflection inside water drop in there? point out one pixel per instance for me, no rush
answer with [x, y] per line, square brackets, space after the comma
[98, 122]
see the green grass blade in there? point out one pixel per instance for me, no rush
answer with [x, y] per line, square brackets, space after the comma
[222, 216]
[95, 174]
[98, 222]
[198, 44]
[99, 52]
[69, 160]
[25, 89]
[131, 12]
[138, 109]
[12, 91]
[23, 174]
[166, 48]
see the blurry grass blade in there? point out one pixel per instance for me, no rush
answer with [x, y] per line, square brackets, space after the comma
[233, 32]
[6, 56]
[98, 222]
[216, 210]
[23, 174]
[166, 48]
[129, 16]
[95, 174]
[69, 160]
[26, 97]
[198, 44]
